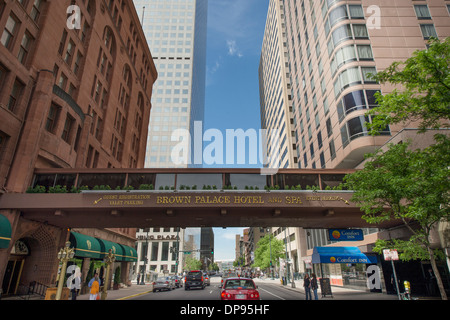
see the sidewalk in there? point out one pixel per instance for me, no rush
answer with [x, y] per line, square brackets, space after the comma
[124, 293]
[339, 293]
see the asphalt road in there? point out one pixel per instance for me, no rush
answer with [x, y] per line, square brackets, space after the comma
[210, 293]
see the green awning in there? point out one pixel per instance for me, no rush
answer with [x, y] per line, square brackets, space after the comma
[115, 247]
[85, 246]
[129, 254]
[5, 232]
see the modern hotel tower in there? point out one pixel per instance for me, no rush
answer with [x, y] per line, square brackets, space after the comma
[176, 32]
[318, 56]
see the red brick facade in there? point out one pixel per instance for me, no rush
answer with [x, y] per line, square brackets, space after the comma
[74, 93]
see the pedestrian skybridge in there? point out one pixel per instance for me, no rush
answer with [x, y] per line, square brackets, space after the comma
[130, 198]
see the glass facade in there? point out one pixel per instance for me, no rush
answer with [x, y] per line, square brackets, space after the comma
[179, 93]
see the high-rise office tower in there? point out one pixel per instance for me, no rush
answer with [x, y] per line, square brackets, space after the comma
[275, 92]
[176, 32]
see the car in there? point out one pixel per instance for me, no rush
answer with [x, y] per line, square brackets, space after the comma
[163, 283]
[226, 276]
[194, 279]
[178, 281]
[239, 289]
[206, 279]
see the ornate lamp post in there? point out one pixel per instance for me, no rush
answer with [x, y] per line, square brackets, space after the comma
[64, 255]
[109, 259]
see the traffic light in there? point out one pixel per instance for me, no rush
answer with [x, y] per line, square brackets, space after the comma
[212, 250]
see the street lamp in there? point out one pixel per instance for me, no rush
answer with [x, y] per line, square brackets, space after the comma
[64, 255]
[108, 259]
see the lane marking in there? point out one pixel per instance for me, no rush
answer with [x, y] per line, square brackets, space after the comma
[272, 294]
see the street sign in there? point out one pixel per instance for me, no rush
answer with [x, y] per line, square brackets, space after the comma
[390, 255]
[187, 252]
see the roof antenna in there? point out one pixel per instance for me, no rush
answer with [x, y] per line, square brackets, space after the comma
[143, 13]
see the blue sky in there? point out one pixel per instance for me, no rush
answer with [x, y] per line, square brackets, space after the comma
[235, 33]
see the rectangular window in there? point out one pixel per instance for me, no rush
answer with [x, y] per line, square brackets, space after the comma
[422, 12]
[428, 31]
[35, 11]
[52, 118]
[9, 31]
[155, 247]
[3, 141]
[69, 52]
[25, 46]
[332, 149]
[165, 251]
[62, 81]
[68, 125]
[15, 94]
[62, 42]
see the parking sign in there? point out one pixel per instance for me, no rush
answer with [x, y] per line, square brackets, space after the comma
[390, 255]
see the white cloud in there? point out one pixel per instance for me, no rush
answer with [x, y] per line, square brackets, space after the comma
[233, 49]
[229, 236]
[233, 19]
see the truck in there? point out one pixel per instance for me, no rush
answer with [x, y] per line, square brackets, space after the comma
[194, 279]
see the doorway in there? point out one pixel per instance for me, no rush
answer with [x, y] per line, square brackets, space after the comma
[12, 276]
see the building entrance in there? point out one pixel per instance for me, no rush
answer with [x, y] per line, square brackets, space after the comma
[12, 276]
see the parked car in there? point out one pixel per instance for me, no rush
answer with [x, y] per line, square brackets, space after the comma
[163, 283]
[206, 279]
[239, 289]
[194, 279]
[178, 281]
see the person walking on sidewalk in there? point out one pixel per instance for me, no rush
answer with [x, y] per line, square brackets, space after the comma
[307, 286]
[314, 286]
[94, 284]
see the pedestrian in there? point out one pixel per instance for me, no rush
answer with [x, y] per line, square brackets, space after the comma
[138, 278]
[314, 286]
[432, 283]
[94, 284]
[74, 284]
[307, 286]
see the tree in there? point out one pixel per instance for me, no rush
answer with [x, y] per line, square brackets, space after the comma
[192, 264]
[239, 262]
[268, 247]
[425, 85]
[411, 186]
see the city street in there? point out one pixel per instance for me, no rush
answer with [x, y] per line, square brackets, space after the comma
[268, 291]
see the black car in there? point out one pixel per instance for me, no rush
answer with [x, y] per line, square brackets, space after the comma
[194, 279]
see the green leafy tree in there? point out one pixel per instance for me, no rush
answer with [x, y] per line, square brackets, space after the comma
[268, 247]
[239, 262]
[192, 264]
[411, 186]
[423, 96]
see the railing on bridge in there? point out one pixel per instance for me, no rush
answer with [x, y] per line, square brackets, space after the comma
[58, 180]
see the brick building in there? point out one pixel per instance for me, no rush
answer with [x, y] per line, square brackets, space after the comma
[75, 92]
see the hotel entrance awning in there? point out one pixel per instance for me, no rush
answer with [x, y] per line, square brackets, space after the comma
[341, 255]
[85, 246]
[5, 232]
[129, 254]
[115, 248]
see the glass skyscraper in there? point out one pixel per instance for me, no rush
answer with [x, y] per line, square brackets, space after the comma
[176, 34]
